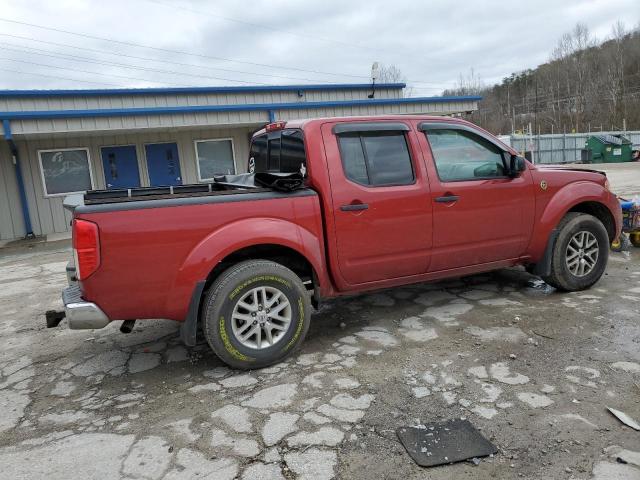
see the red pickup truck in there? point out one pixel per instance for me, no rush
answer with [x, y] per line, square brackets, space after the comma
[357, 204]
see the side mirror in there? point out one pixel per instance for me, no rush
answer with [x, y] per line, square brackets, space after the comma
[517, 165]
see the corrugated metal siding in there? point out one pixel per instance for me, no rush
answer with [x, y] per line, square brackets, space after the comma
[47, 213]
[104, 124]
[44, 103]
[11, 224]
[360, 110]
[183, 120]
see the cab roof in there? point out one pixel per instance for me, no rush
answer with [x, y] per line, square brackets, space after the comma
[308, 122]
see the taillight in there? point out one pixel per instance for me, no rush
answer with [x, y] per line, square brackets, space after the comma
[86, 248]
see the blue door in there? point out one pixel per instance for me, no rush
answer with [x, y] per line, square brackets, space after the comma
[120, 167]
[163, 164]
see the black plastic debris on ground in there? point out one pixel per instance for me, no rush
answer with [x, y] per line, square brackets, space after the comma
[442, 443]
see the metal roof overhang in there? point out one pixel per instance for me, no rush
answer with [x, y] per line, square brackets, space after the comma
[195, 90]
[116, 112]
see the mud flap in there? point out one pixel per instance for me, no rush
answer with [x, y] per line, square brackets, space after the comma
[189, 328]
[543, 267]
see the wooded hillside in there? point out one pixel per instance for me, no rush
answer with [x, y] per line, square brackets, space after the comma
[586, 85]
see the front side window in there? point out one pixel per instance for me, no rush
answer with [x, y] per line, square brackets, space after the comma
[376, 158]
[65, 171]
[460, 155]
[215, 157]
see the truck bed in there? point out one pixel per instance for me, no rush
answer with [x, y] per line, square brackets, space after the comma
[98, 197]
[223, 189]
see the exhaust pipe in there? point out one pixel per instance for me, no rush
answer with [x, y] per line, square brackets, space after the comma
[127, 326]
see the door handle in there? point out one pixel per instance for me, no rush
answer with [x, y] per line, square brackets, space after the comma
[354, 207]
[447, 199]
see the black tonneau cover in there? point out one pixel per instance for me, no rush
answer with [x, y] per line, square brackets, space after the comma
[221, 185]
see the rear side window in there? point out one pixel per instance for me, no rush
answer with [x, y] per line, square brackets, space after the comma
[376, 158]
[280, 151]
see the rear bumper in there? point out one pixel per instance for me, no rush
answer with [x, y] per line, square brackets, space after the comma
[81, 314]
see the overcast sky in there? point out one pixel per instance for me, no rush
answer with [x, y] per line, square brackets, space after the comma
[105, 43]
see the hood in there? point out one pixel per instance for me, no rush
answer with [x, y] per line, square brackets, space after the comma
[547, 168]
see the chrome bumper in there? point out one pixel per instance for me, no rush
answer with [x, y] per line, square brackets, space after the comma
[81, 314]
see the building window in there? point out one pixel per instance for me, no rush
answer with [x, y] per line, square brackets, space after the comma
[215, 157]
[65, 170]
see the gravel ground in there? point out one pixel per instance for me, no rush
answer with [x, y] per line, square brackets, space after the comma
[624, 177]
[533, 369]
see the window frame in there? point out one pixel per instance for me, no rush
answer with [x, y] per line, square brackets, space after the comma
[424, 127]
[233, 155]
[360, 133]
[42, 177]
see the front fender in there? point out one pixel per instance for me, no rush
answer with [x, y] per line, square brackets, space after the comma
[233, 237]
[563, 200]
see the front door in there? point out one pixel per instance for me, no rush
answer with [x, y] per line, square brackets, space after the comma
[480, 214]
[163, 164]
[381, 209]
[120, 167]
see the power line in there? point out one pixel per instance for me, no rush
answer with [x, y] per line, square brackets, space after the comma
[264, 27]
[56, 76]
[180, 52]
[93, 72]
[148, 59]
[74, 58]
[199, 55]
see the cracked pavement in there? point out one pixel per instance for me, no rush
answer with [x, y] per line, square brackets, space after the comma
[532, 368]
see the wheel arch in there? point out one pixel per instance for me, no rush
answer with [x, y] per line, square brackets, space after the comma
[601, 212]
[282, 254]
[581, 196]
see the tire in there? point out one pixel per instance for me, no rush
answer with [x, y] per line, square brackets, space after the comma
[230, 313]
[577, 226]
[635, 239]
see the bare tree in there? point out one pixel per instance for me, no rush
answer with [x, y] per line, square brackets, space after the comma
[615, 75]
[470, 83]
[585, 84]
[390, 74]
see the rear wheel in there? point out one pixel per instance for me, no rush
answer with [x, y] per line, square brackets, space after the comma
[256, 314]
[580, 253]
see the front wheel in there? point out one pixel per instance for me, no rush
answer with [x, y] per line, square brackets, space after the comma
[635, 239]
[256, 314]
[580, 253]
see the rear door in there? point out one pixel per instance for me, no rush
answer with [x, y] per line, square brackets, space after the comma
[163, 164]
[380, 202]
[480, 214]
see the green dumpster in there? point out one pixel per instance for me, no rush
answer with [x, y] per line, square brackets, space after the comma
[607, 148]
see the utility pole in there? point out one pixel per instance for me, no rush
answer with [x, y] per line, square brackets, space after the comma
[535, 108]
